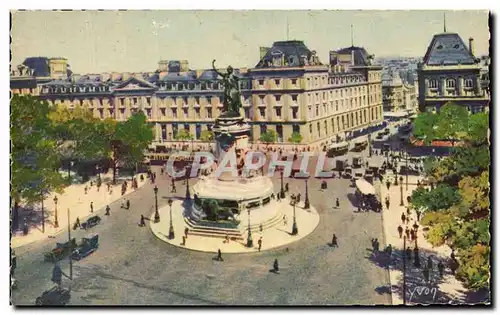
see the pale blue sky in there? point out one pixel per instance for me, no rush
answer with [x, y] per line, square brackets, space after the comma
[134, 41]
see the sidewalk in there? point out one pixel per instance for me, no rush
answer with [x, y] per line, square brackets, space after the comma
[418, 290]
[77, 201]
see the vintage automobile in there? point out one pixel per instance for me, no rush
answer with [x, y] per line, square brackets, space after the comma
[91, 222]
[61, 250]
[88, 246]
[341, 164]
[54, 296]
[357, 161]
[347, 173]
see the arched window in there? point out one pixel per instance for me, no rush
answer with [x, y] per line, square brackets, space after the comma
[433, 84]
[450, 83]
[468, 83]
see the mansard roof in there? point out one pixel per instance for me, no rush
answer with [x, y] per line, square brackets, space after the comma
[361, 56]
[448, 49]
[135, 81]
[293, 51]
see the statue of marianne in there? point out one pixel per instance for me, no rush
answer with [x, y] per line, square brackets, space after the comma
[230, 83]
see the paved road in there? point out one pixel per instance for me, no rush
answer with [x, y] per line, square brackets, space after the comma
[132, 266]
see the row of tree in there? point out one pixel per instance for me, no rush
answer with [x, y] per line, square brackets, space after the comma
[457, 207]
[43, 137]
[270, 136]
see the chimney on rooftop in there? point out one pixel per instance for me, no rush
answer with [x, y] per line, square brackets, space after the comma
[471, 46]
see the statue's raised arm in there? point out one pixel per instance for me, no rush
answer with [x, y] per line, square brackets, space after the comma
[213, 67]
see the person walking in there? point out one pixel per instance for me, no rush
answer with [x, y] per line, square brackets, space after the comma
[337, 203]
[128, 204]
[259, 242]
[86, 189]
[286, 187]
[278, 198]
[107, 210]
[219, 255]
[276, 267]
[142, 222]
[334, 241]
[388, 184]
[403, 218]
[91, 207]
[440, 268]
[186, 232]
[407, 232]
[400, 231]
[412, 235]
[376, 245]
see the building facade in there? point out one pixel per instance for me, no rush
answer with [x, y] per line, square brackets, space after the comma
[398, 96]
[288, 91]
[450, 72]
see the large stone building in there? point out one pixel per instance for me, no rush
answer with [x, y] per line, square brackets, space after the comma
[397, 95]
[450, 72]
[288, 91]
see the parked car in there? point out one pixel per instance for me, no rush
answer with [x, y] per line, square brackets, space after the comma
[61, 250]
[88, 246]
[91, 222]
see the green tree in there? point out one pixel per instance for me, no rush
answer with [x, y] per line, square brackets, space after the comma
[452, 123]
[268, 137]
[424, 126]
[33, 152]
[474, 268]
[183, 135]
[478, 127]
[295, 138]
[442, 197]
[207, 135]
[134, 136]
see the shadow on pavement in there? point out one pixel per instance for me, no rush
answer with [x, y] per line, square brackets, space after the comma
[96, 271]
[420, 290]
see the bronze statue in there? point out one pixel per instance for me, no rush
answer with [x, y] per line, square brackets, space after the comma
[232, 96]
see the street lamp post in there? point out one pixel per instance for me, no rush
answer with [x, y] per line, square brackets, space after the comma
[249, 238]
[404, 270]
[157, 214]
[306, 201]
[56, 222]
[282, 191]
[401, 189]
[406, 151]
[370, 145]
[295, 229]
[188, 194]
[171, 234]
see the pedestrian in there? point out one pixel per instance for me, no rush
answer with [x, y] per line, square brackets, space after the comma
[286, 187]
[376, 245]
[91, 207]
[412, 235]
[142, 223]
[107, 210]
[86, 189]
[109, 186]
[408, 220]
[298, 197]
[440, 268]
[162, 171]
[337, 203]
[429, 263]
[415, 227]
[128, 204]
[334, 241]
[186, 232]
[407, 232]
[403, 218]
[77, 223]
[400, 231]
[122, 206]
[219, 255]
[418, 215]
[173, 189]
[91, 183]
[278, 198]
[261, 228]
[98, 185]
[426, 274]
[389, 250]
[276, 267]
[285, 222]
[259, 242]
[183, 241]
[387, 203]
[408, 253]
[388, 185]
[407, 211]
[111, 191]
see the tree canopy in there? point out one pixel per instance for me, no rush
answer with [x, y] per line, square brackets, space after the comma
[457, 211]
[296, 138]
[269, 136]
[207, 135]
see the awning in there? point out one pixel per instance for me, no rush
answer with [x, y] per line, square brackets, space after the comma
[339, 145]
[365, 187]
[395, 114]
[360, 140]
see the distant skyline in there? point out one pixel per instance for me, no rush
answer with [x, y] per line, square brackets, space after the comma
[134, 41]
